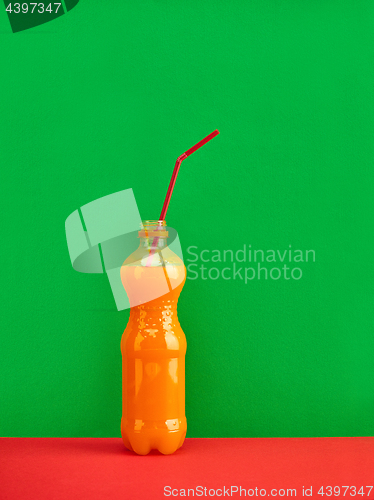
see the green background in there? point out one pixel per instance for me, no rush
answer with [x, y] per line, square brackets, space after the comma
[105, 98]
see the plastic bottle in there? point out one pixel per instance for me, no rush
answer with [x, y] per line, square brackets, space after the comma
[153, 346]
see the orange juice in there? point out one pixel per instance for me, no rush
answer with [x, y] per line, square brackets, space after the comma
[153, 347]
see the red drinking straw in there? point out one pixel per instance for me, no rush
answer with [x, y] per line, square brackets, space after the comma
[172, 183]
[176, 170]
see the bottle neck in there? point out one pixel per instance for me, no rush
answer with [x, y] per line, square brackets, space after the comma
[153, 243]
[153, 235]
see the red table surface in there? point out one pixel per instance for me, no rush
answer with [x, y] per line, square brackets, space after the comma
[101, 468]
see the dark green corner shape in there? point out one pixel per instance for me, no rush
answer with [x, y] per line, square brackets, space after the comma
[22, 21]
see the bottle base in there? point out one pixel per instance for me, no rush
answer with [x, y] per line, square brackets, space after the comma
[142, 437]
